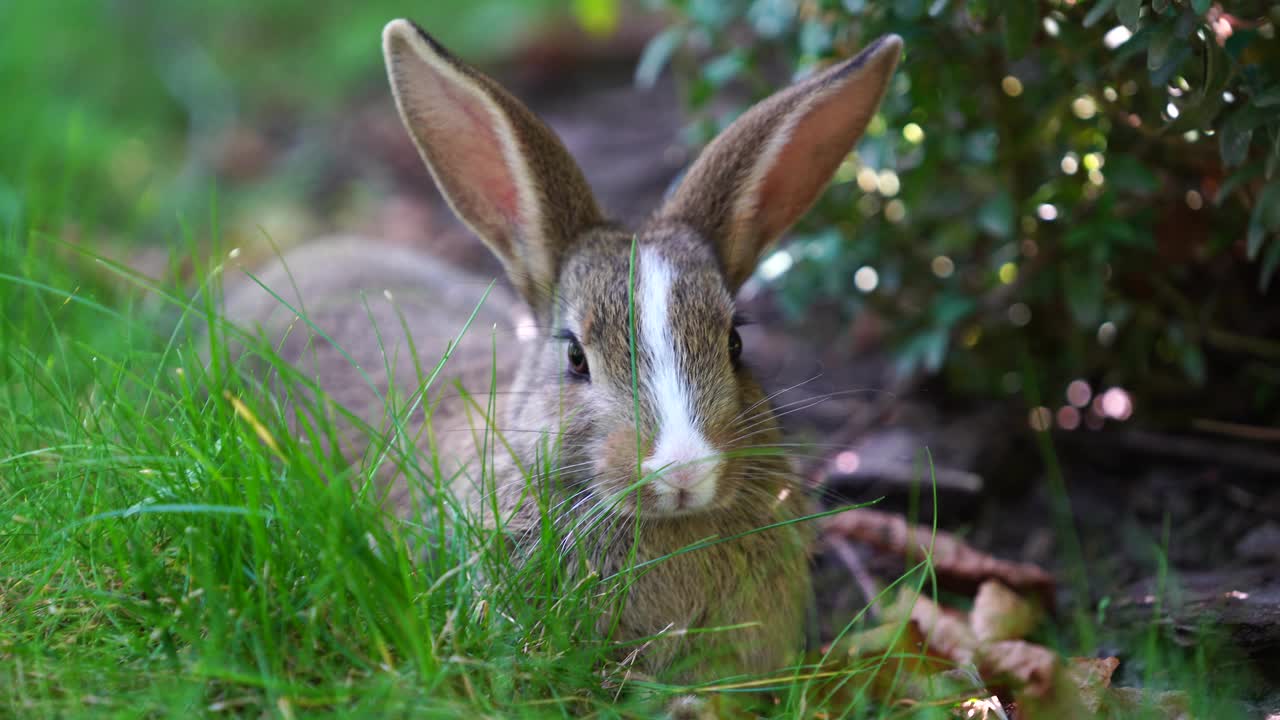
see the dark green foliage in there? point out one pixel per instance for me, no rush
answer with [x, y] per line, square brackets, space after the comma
[1113, 210]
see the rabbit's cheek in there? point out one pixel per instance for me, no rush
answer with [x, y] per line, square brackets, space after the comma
[618, 456]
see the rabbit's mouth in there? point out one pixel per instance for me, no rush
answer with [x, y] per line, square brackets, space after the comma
[674, 492]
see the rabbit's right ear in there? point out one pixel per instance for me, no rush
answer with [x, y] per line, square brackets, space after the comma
[502, 170]
[767, 168]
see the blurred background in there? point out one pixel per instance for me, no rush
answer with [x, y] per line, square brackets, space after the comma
[1052, 262]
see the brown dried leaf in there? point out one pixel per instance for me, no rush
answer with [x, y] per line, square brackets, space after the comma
[1091, 677]
[1035, 678]
[1031, 668]
[945, 632]
[890, 662]
[1001, 614]
[953, 559]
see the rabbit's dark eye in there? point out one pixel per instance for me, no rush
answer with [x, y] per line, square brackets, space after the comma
[735, 345]
[578, 359]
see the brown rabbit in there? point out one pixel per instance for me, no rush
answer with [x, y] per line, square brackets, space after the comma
[605, 311]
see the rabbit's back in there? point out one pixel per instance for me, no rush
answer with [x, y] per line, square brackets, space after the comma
[378, 321]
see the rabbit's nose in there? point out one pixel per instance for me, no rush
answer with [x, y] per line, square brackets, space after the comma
[684, 478]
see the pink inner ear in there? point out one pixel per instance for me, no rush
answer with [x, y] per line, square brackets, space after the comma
[817, 144]
[462, 137]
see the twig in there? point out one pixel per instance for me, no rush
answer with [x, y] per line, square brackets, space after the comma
[845, 551]
[908, 474]
[1240, 430]
[1185, 447]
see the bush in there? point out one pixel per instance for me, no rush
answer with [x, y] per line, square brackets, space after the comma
[1090, 186]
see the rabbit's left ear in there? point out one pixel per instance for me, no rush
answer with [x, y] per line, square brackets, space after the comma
[503, 171]
[767, 168]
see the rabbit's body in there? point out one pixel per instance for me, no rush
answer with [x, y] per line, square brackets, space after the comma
[370, 299]
[621, 397]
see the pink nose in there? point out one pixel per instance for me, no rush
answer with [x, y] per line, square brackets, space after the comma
[686, 477]
[684, 485]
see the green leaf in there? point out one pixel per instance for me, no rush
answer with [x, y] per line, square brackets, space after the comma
[1161, 75]
[1098, 11]
[1273, 159]
[1187, 23]
[711, 13]
[950, 309]
[721, 70]
[1192, 359]
[815, 38]
[1124, 172]
[1233, 141]
[1270, 261]
[1020, 20]
[1163, 37]
[995, 216]
[1201, 6]
[657, 53]
[770, 18]
[1128, 12]
[908, 9]
[1264, 219]
[1084, 295]
[1241, 176]
[936, 8]
[928, 348]
[1268, 97]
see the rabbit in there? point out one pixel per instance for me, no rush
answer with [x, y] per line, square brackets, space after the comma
[592, 313]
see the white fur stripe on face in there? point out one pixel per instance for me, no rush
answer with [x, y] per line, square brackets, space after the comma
[686, 462]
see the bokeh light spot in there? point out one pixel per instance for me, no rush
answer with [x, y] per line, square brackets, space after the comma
[1106, 333]
[1117, 404]
[1084, 107]
[1019, 314]
[866, 278]
[1070, 163]
[942, 266]
[1079, 393]
[895, 211]
[1008, 273]
[887, 183]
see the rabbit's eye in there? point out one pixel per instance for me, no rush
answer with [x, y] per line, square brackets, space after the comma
[735, 345]
[578, 359]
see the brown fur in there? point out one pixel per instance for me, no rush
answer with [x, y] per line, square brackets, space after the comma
[512, 181]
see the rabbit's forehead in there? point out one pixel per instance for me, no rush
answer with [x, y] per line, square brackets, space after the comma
[679, 288]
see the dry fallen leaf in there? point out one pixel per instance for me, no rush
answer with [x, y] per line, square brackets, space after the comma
[1032, 667]
[1001, 614]
[923, 648]
[890, 662]
[1091, 677]
[947, 633]
[953, 559]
